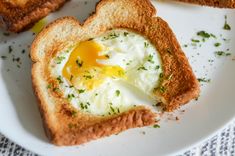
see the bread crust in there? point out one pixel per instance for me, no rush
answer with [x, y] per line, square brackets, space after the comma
[135, 15]
[213, 3]
[21, 15]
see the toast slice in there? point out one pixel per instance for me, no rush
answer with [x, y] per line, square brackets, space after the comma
[213, 3]
[178, 84]
[19, 15]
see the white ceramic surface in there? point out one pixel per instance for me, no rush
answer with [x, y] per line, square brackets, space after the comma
[20, 120]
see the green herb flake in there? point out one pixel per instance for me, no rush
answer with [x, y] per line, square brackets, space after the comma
[107, 56]
[3, 57]
[49, 86]
[150, 58]
[10, 49]
[146, 44]
[59, 79]
[226, 25]
[162, 89]
[56, 89]
[203, 34]
[222, 53]
[111, 36]
[195, 41]
[6, 34]
[142, 68]
[80, 91]
[59, 59]
[117, 92]
[157, 67]
[156, 126]
[79, 63]
[204, 80]
[70, 97]
[125, 34]
[82, 106]
[87, 77]
[217, 44]
[71, 77]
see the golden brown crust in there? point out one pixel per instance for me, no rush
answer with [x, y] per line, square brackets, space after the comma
[213, 3]
[19, 15]
[136, 15]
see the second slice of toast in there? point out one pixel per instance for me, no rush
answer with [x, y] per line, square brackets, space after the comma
[212, 3]
[19, 15]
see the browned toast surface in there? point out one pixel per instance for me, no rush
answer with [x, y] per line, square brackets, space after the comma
[18, 15]
[213, 3]
[178, 83]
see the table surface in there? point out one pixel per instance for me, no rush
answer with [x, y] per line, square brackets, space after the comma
[223, 143]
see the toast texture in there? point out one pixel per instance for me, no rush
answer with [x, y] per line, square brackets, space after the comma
[213, 3]
[178, 83]
[19, 15]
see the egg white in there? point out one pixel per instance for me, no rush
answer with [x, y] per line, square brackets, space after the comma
[141, 63]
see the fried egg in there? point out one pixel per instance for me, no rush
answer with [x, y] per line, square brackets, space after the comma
[108, 74]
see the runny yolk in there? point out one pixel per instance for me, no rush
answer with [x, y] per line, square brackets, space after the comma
[83, 69]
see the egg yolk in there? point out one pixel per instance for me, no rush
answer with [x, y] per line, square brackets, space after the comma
[83, 69]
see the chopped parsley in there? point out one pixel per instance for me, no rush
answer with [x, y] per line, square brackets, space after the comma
[79, 63]
[71, 77]
[222, 53]
[117, 92]
[195, 41]
[226, 25]
[146, 44]
[4, 57]
[142, 68]
[6, 34]
[49, 86]
[59, 59]
[157, 67]
[217, 44]
[56, 89]
[107, 56]
[204, 80]
[111, 36]
[156, 126]
[70, 96]
[162, 89]
[59, 78]
[80, 91]
[84, 106]
[125, 34]
[87, 77]
[204, 34]
[10, 49]
[150, 58]
[113, 110]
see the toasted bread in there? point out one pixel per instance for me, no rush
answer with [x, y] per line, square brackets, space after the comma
[213, 3]
[18, 15]
[178, 80]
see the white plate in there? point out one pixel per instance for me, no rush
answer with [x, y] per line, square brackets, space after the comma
[20, 119]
